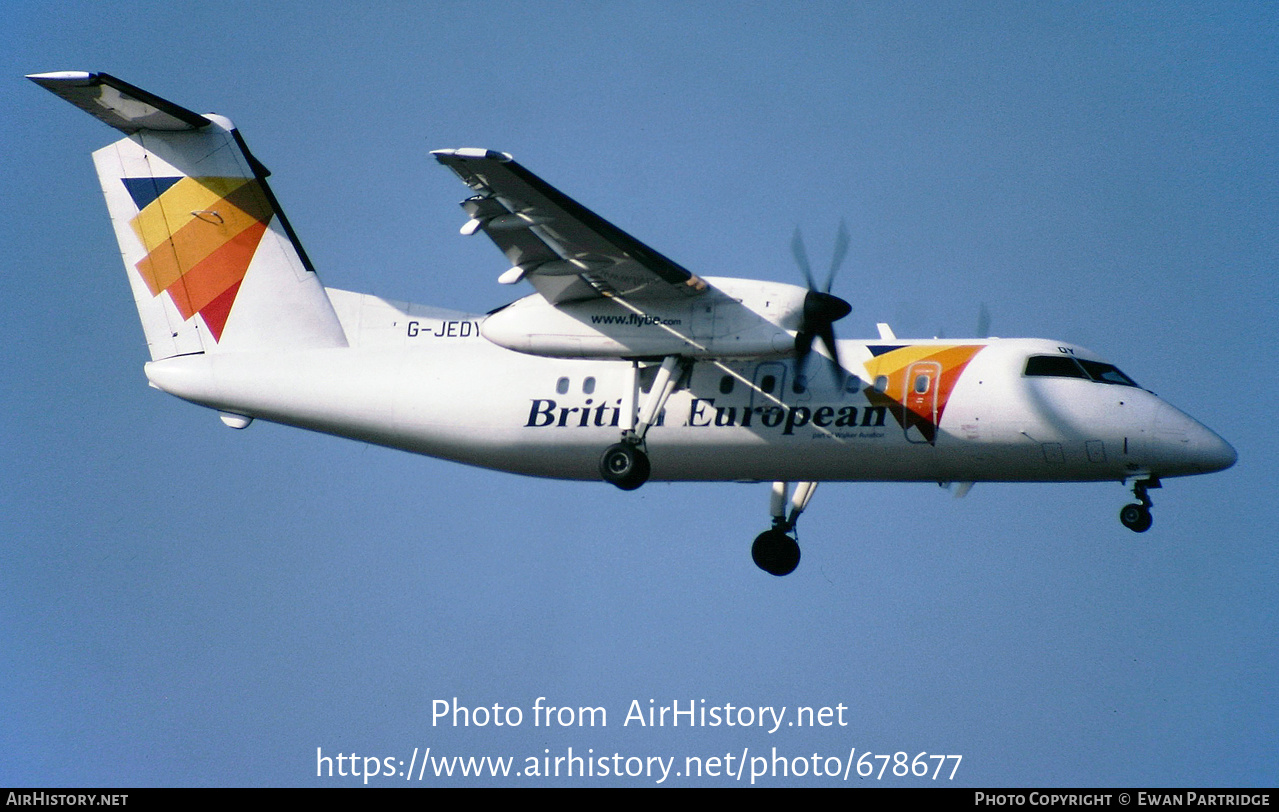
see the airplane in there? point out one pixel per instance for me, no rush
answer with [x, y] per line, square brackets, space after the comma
[621, 366]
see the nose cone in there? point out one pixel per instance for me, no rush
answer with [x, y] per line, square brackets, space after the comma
[1210, 452]
[1190, 446]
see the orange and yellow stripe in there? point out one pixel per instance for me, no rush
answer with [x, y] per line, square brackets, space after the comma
[200, 235]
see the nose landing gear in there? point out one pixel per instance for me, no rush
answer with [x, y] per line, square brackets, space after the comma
[775, 551]
[1136, 517]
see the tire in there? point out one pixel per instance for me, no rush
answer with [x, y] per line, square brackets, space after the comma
[625, 466]
[775, 552]
[1136, 518]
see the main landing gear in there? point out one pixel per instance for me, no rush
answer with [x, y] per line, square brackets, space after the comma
[625, 464]
[775, 551]
[1136, 517]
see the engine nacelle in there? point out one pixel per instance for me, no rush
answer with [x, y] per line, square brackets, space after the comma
[732, 318]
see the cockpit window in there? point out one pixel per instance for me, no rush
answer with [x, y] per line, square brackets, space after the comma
[1064, 366]
[1053, 366]
[1106, 373]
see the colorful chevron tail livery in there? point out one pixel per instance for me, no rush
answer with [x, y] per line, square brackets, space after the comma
[213, 263]
[200, 235]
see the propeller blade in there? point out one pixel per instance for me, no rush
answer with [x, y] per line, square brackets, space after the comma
[821, 308]
[983, 321]
[801, 258]
[821, 311]
[803, 348]
[837, 258]
[828, 341]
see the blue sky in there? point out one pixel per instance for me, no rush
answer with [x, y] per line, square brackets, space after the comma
[185, 605]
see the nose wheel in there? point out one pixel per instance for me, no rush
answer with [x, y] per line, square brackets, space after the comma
[775, 552]
[1136, 517]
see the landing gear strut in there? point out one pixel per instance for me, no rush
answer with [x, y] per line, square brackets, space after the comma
[625, 464]
[1136, 517]
[775, 551]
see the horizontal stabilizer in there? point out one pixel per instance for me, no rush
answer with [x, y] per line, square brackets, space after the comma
[120, 104]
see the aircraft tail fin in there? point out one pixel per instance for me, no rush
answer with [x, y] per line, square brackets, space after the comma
[213, 263]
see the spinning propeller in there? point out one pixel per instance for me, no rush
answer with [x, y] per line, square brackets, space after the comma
[821, 308]
[983, 324]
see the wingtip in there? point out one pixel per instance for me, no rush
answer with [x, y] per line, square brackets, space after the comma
[62, 77]
[473, 153]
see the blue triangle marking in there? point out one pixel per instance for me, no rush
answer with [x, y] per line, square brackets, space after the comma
[145, 190]
[877, 350]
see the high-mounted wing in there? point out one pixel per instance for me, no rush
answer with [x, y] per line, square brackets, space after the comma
[565, 250]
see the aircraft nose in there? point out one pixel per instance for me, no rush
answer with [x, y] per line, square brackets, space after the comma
[1211, 452]
[1191, 443]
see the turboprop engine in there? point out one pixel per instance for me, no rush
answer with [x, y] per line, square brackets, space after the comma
[733, 318]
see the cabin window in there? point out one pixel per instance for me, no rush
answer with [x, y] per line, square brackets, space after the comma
[588, 386]
[852, 384]
[881, 384]
[767, 383]
[800, 385]
[921, 384]
[726, 385]
[561, 386]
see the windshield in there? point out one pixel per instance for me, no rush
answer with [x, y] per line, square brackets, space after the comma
[1065, 366]
[1106, 373]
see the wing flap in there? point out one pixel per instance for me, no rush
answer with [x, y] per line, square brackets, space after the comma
[565, 250]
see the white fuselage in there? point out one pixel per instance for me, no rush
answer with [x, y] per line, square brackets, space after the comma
[425, 380]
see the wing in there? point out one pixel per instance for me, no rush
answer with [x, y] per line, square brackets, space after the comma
[565, 250]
